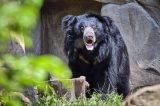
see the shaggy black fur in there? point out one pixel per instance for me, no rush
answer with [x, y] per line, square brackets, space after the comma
[107, 66]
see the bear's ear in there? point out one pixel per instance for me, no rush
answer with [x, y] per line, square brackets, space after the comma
[111, 27]
[67, 22]
[108, 20]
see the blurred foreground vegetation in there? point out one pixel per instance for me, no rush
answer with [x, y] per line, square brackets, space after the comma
[18, 17]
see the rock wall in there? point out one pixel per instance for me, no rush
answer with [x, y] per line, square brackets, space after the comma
[138, 21]
[142, 37]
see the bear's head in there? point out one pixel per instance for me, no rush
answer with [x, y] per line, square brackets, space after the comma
[85, 31]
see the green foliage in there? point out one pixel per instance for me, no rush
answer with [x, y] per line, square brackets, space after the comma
[30, 70]
[113, 99]
[17, 18]
[19, 72]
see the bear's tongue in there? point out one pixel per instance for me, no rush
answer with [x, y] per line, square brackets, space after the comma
[89, 46]
[89, 38]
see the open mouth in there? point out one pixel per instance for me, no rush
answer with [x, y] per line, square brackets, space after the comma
[89, 42]
[89, 38]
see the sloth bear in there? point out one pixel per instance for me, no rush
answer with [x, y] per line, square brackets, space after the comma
[96, 50]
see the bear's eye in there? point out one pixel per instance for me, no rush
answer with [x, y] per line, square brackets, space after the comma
[82, 28]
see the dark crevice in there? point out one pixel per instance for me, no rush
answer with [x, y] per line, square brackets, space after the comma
[152, 71]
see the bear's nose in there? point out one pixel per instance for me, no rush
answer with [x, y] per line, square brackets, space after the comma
[88, 31]
[89, 34]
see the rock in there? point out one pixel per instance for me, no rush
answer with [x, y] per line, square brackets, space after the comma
[113, 1]
[141, 34]
[23, 98]
[153, 3]
[147, 96]
[103, 1]
[16, 45]
[31, 93]
[153, 7]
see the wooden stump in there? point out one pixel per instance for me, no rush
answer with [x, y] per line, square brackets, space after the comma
[76, 87]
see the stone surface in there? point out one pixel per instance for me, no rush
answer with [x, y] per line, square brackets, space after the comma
[142, 37]
[16, 45]
[113, 1]
[153, 3]
[103, 1]
[153, 7]
[23, 98]
[147, 96]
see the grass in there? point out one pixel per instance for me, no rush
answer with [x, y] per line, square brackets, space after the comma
[112, 99]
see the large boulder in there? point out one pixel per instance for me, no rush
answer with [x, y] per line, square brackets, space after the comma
[147, 96]
[141, 34]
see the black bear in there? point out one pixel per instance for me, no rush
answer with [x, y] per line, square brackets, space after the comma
[96, 50]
